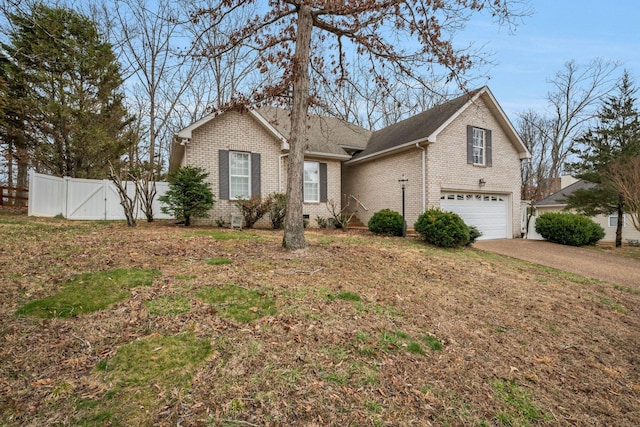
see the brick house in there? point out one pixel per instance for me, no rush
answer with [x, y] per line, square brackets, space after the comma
[463, 156]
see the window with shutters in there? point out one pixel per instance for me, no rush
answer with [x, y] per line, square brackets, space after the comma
[478, 146]
[479, 149]
[239, 175]
[311, 182]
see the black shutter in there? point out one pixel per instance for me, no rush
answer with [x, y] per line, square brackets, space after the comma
[255, 174]
[323, 182]
[223, 174]
[487, 137]
[470, 144]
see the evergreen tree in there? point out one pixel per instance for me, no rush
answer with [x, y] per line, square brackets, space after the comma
[616, 136]
[69, 81]
[188, 194]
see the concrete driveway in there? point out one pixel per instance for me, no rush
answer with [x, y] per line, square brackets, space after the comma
[586, 262]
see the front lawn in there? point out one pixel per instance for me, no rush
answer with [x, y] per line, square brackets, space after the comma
[214, 327]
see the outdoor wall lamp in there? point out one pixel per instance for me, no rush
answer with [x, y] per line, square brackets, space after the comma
[482, 182]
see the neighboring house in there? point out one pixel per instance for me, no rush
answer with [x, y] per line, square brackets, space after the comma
[556, 203]
[463, 156]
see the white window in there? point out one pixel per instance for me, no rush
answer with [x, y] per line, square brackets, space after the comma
[478, 146]
[239, 175]
[311, 182]
[613, 220]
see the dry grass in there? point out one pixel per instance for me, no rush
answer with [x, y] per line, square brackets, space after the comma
[352, 340]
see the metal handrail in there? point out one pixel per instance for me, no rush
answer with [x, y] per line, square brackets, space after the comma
[359, 202]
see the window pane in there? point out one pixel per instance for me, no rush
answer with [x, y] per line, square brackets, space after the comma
[311, 182]
[239, 175]
[478, 146]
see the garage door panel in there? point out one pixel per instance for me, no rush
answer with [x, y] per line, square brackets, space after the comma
[487, 212]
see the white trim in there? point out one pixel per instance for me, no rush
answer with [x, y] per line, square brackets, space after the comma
[304, 196]
[624, 220]
[326, 155]
[483, 148]
[389, 150]
[234, 196]
[424, 176]
[264, 122]
[522, 149]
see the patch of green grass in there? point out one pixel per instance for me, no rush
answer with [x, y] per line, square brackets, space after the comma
[373, 406]
[89, 292]
[334, 377]
[627, 289]
[415, 348]
[613, 305]
[217, 261]
[389, 342]
[168, 306]
[432, 342]
[522, 411]
[224, 235]
[345, 296]
[238, 303]
[137, 372]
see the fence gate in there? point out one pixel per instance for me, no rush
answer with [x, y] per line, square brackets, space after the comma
[84, 199]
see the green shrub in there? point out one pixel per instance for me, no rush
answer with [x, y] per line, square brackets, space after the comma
[253, 209]
[444, 229]
[474, 233]
[568, 229]
[277, 209]
[386, 222]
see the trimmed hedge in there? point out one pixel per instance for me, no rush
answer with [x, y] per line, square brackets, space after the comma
[568, 229]
[444, 229]
[386, 222]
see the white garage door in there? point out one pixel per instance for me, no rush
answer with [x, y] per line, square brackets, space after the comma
[488, 212]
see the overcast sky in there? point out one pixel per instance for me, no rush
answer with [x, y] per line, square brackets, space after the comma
[558, 31]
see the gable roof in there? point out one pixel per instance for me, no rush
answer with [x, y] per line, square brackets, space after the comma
[425, 127]
[325, 135]
[335, 138]
[558, 198]
[414, 129]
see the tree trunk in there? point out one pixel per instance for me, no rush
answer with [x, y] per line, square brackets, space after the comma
[22, 180]
[619, 226]
[294, 225]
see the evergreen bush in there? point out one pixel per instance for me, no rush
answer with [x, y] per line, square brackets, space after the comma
[474, 233]
[568, 228]
[188, 194]
[386, 222]
[444, 229]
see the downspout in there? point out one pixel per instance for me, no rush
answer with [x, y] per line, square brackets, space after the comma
[424, 178]
[280, 157]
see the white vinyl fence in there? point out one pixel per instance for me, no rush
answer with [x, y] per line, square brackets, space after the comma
[84, 199]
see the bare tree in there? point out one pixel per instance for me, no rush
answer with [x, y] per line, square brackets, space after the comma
[148, 34]
[289, 33]
[120, 180]
[624, 174]
[578, 90]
